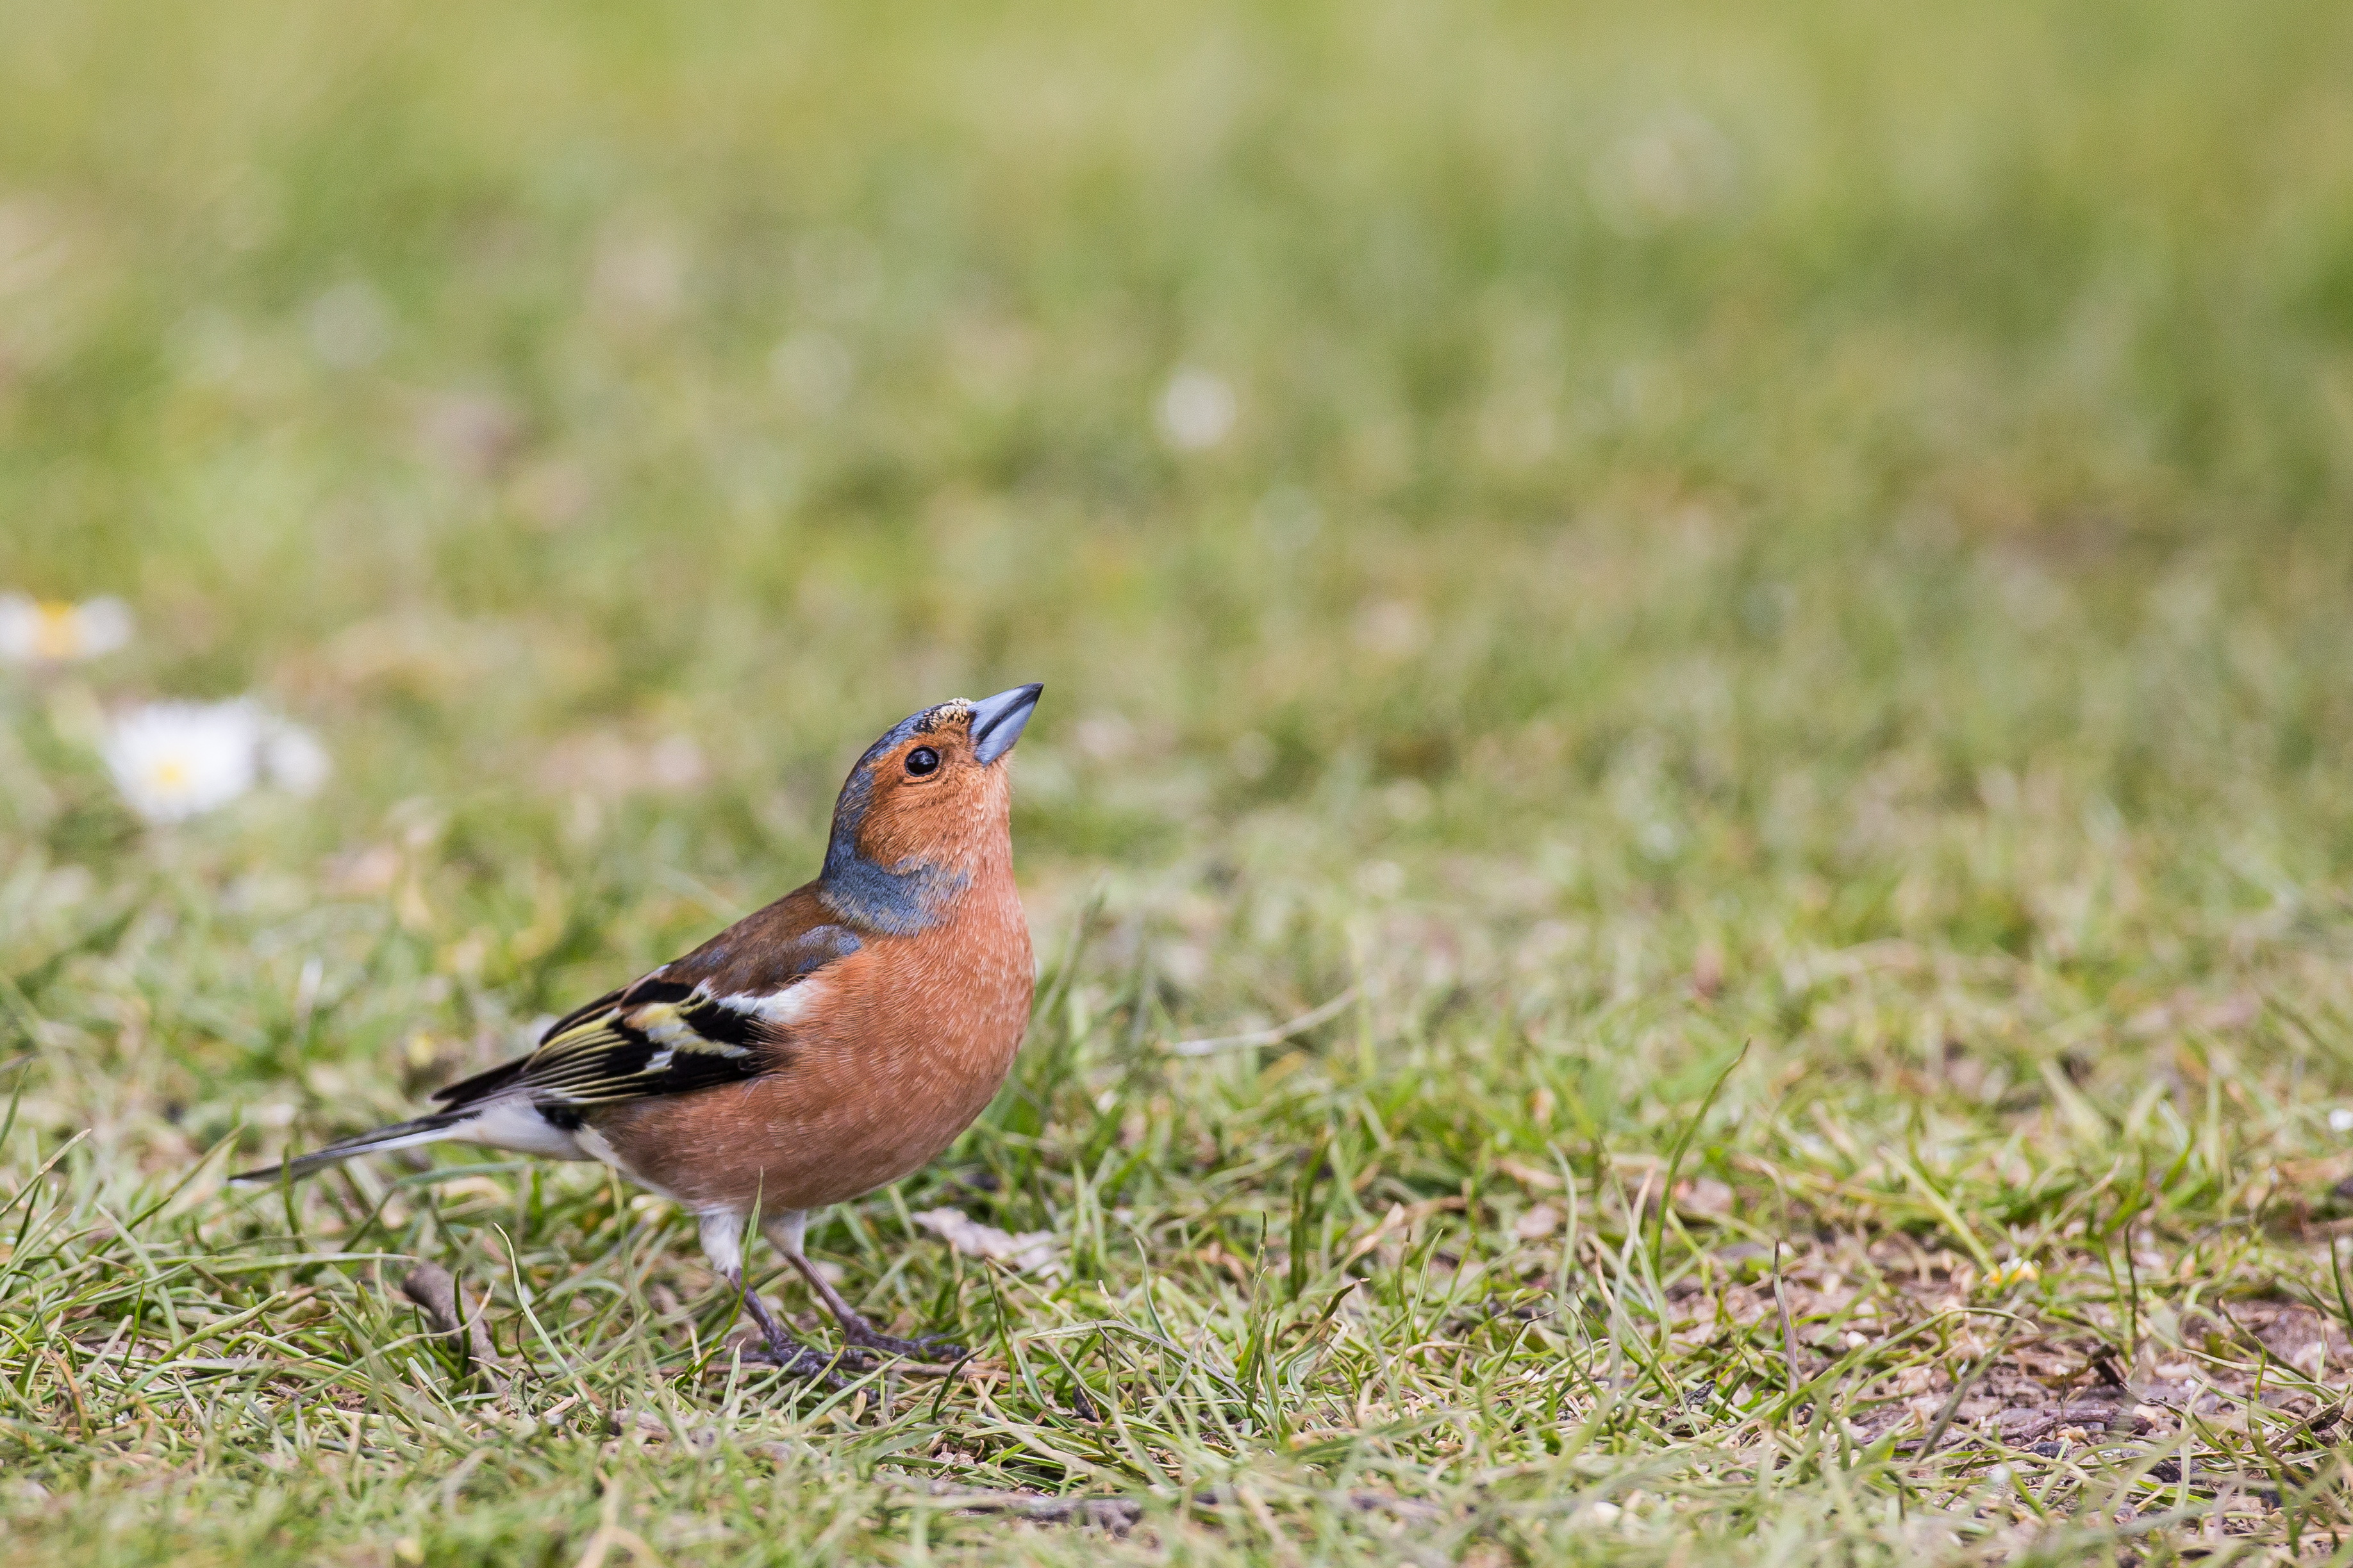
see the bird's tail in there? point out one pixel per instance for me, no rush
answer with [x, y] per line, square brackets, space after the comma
[399, 1135]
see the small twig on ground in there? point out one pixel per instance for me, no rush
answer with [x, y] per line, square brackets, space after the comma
[1118, 1515]
[433, 1288]
[1273, 1036]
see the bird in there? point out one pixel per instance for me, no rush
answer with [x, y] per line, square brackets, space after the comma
[815, 1051]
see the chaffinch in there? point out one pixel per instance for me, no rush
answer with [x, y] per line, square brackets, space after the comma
[812, 1052]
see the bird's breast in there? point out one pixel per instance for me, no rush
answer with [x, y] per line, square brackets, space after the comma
[900, 1046]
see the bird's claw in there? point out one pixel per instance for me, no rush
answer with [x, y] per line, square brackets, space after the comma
[936, 1349]
[795, 1360]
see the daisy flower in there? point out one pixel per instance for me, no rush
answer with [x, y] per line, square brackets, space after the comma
[174, 760]
[50, 631]
[177, 760]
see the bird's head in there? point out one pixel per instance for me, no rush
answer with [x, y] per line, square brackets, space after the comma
[926, 809]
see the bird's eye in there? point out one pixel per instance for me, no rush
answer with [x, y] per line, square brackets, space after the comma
[923, 760]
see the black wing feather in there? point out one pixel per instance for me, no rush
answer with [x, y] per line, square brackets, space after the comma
[663, 1034]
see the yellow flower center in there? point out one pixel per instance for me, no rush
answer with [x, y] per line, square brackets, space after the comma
[56, 633]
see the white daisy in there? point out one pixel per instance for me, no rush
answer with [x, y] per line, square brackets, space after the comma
[50, 631]
[177, 760]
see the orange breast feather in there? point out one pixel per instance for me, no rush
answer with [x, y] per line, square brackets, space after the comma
[900, 1046]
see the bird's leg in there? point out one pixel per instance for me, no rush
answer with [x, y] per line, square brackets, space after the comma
[722, 1244]
[865, 1335]
[785, 1234]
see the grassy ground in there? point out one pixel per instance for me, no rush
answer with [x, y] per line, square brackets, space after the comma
[1770, 612]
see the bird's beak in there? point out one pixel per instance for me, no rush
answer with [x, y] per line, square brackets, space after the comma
[996, 720]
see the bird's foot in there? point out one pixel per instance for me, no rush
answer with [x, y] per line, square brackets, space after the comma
[936, 1349]
[795, 1360]
[785, 1353]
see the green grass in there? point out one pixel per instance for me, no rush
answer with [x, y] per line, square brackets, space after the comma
[1817, 531]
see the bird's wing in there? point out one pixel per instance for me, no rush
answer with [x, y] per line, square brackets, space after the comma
[715, 1016]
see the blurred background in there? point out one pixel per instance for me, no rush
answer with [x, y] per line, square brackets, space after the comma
[1564, 541]
[1560, 499]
